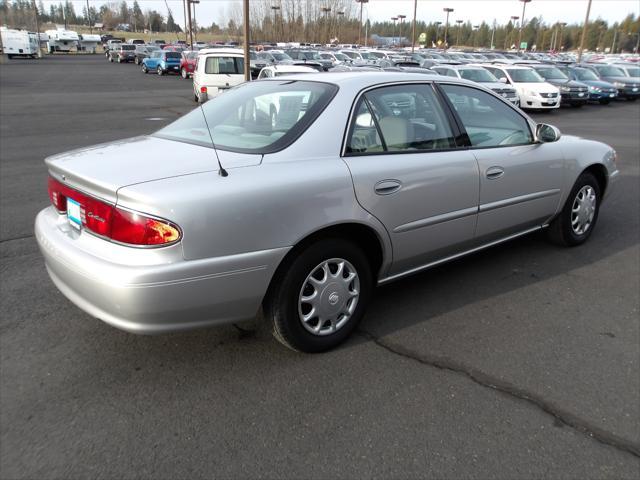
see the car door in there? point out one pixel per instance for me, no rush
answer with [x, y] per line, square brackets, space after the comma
[520, 179]
[408, 172]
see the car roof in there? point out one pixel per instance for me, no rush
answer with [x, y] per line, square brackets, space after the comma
[359, 80]
[291, 68]
[221, 51]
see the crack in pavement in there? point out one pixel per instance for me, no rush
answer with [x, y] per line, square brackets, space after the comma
[5, 240]
[485, 380]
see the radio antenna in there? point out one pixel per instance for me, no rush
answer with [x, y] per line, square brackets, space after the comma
[221, 171]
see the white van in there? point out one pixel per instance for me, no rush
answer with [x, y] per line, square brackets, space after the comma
[19, 43]
[217, 69]
[533, 91]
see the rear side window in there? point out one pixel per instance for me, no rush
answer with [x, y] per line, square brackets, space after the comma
[401, 118]
[489, 122]
[228, 65]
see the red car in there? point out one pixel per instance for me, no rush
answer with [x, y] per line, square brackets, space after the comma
[188, 63]
[173, 48]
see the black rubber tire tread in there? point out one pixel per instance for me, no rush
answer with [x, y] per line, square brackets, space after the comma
[559, 230]
[281, 303]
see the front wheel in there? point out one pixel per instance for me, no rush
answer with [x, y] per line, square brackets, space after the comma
[184, 73]
[160, 71]
[320, 296]
[144, 68]
[574, 224]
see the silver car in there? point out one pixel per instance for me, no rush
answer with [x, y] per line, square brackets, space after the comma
[359, 179]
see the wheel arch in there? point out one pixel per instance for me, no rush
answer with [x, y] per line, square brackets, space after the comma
[364, 236]
[599, 171]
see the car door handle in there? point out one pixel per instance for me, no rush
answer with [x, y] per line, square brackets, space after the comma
[494, 172]
[387, 187]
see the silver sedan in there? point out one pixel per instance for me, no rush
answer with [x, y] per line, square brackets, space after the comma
[298, 195]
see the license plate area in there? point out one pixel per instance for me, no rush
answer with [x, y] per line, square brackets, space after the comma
[73, 213]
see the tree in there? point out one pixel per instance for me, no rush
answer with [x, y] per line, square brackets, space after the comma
[124, 12]
[137, 16]
[172, 26]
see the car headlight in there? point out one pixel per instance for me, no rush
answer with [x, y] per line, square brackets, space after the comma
[565, 89]
[531, 93]
[595, 89]
[618, 84]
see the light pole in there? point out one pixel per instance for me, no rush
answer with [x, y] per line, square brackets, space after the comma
[360, 33]
[584, 32]
[194, 2]
[514, 20]
[327, 11]
[493, 33]
[446, 25]
[475, 34]
[413, 28]
[275, 9]
[247, 57]
[393, 35]
[562, 25]
[459, 22]
[524, 6]
[401, 18]
[338, 22]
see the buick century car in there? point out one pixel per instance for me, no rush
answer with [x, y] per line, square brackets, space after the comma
[360, 179]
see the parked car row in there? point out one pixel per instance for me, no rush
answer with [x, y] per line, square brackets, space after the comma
[530, 81]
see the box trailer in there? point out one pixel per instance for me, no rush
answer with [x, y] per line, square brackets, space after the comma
[62, 40]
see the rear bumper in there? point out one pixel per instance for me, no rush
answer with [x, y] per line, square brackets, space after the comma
[151, 291]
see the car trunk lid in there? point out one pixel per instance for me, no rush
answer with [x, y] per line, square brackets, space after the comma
[101, 170]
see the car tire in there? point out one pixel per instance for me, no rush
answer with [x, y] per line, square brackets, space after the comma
[338, 274]
[136, 61]
[119, 60]
[110, 59]
[144, 68]
[160, 71]
[576, 221]
[183, 73]
[195, 98]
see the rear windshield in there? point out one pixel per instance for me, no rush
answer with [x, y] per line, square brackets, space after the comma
[128, 47]
[525, 76]
[255, 117]
[225, 65]
[477, 75]
[173, 55]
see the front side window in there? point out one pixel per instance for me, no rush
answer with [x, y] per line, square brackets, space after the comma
[489, 122]
[255, 117]
[401, 118]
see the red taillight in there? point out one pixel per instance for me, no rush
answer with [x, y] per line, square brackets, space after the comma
[136, 229]
[203, 89]
[111, 222]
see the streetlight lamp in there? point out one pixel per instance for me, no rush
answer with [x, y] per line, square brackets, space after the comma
[524, 5]
[360, 34]
[446, 25]
[401, 18]
[275, 9]
[459, 22]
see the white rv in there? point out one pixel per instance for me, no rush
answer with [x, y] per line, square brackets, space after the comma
[89, 43]
[62, 40]
[19, 43]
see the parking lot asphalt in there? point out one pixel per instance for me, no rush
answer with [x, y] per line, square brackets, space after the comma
[519, 362]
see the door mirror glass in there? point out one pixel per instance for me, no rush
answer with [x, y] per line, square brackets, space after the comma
[503, 80]
[547, 133]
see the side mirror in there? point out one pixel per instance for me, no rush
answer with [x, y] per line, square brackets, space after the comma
[547, 133]
[503, 80]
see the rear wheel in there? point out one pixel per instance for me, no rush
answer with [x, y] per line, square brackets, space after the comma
[144, 68]
[184, 73]
[574, 224]
[195, 98]
[319, 297]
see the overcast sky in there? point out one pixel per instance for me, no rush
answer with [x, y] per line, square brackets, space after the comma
[571, 11]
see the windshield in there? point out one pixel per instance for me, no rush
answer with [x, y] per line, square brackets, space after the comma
[310, 55]
[281, 56]
[551, 73]
[370, 56]
[255, 117]
[477, 75]
[524, 76]
[633, 71]
[584, 74]
[610, 71]
[353, 55]
[341, 56]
